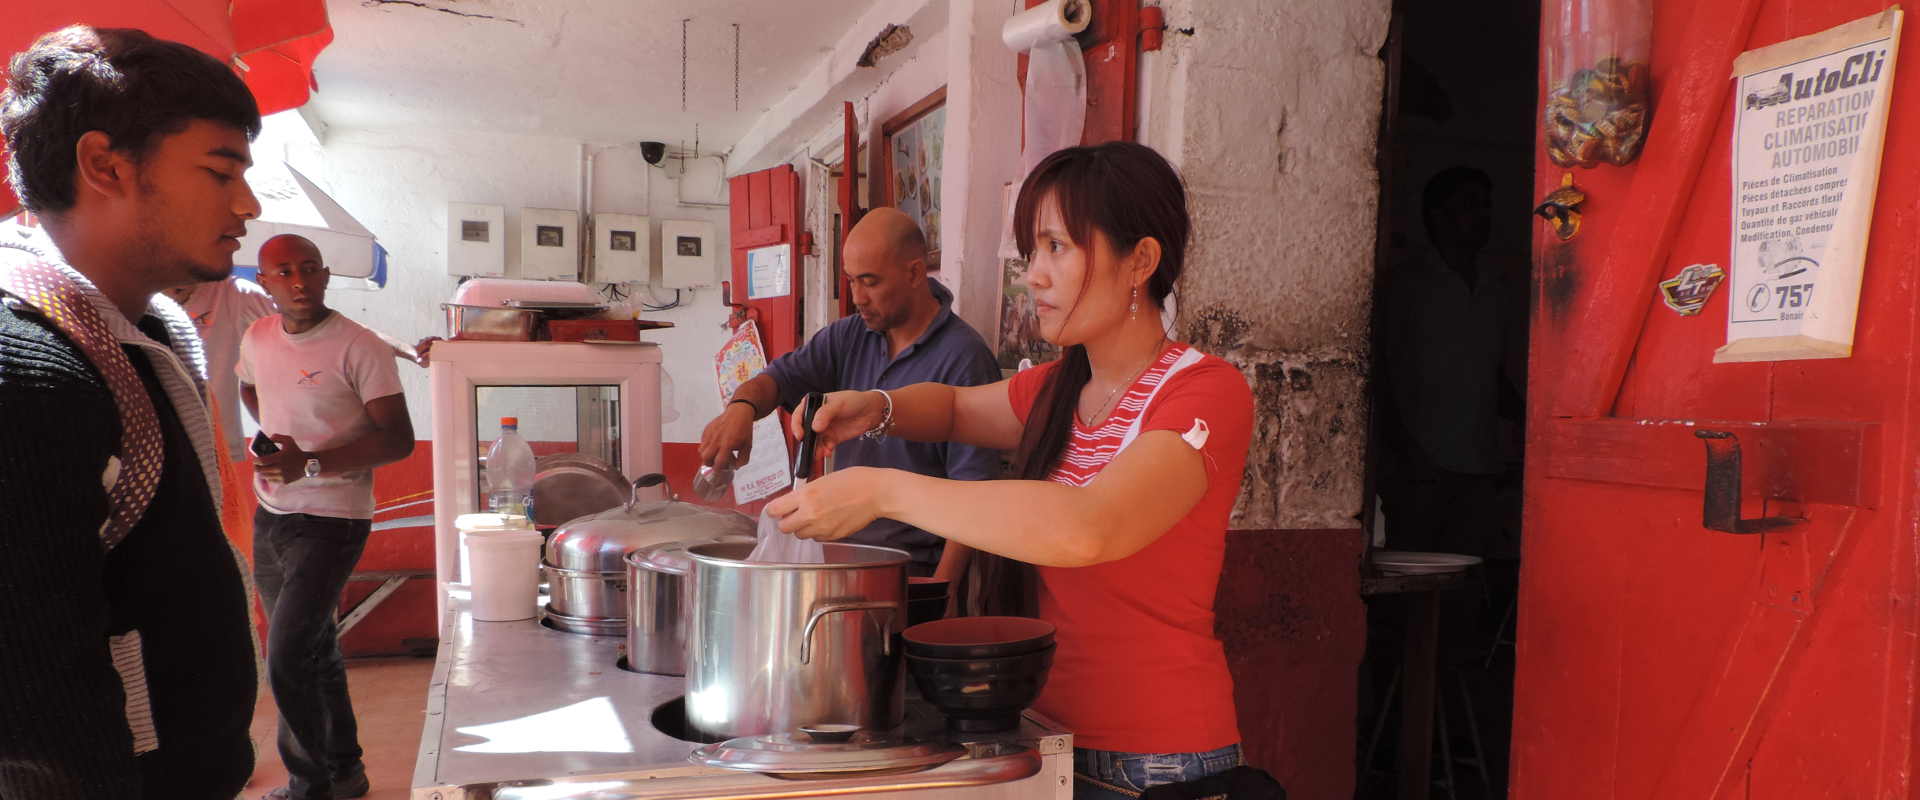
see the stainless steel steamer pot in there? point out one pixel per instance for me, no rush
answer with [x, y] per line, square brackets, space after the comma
[584, 561]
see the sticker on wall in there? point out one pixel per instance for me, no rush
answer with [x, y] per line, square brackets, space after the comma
[1688, 291]
[769, 273]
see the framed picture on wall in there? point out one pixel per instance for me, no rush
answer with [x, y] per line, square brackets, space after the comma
[914, 143]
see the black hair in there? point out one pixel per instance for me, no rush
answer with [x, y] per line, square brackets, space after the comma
[1126, 192]
[1444, 185]
[120, 81]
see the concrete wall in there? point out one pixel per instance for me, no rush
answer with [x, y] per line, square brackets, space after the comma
[1274, 121]
[398, 184]
[1272, 115]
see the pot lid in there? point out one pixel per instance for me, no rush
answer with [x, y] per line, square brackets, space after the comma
[800, 752]
[568, 486]
[598, 542]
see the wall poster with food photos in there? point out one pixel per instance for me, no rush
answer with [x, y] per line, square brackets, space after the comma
[915, 142]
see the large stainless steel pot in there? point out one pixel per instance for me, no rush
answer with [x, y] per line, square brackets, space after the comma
[585, 559]
[657, 605]
[772, 647]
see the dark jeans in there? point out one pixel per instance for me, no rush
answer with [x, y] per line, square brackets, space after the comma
[301, 564]
[1127, 775]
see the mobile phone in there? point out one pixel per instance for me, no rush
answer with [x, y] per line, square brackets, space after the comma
[263, 446]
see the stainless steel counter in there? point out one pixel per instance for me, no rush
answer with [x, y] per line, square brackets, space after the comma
[517, 710]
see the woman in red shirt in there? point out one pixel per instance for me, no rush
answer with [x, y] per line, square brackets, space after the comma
[1129, 451]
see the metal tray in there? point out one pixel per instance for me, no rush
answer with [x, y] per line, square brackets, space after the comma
[490, 323]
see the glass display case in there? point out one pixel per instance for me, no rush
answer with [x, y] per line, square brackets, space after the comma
[601, 400]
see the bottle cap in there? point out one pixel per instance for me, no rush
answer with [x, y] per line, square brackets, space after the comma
[514, 421]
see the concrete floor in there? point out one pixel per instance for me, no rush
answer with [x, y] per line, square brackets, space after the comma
[389, 698]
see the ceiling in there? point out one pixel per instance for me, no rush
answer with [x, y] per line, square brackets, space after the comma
[592, 70]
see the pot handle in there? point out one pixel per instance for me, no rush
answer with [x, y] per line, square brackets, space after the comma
[813, 620]
[649, 481]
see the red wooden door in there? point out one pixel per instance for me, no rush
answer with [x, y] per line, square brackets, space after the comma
[1658, 658]
[848, 188]
[765, 212]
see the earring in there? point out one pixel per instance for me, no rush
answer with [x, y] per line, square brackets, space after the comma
[1133, 308]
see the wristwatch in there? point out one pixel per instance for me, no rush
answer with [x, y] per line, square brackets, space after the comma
[313, 468]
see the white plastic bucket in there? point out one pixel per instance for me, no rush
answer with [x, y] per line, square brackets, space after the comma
[506, 574]
[466, 523]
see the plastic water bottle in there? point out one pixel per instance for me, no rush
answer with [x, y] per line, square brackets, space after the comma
[510, 471]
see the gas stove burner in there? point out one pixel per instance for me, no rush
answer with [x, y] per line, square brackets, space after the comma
[586, 626]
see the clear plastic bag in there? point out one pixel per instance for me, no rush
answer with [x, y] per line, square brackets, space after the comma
[779, 547]
[1598, 105]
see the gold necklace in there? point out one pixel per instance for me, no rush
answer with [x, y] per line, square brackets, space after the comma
[1102, 412]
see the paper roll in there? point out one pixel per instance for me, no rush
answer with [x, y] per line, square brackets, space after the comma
[1052, 21]
[1056, 92]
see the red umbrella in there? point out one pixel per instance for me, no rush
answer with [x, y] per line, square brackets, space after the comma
[271, 43]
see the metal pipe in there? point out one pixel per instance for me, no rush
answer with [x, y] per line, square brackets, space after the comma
[956, 774]
[583, 256]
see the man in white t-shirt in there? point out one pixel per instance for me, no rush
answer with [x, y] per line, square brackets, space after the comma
[326, 391]
[221, 312]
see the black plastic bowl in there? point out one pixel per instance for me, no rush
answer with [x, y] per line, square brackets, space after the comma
[978, 637]
[920, 588]
[982, 695]
[926, 609]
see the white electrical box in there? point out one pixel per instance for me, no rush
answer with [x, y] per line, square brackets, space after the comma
[549, 244]
[476, 240]
[687, 254]
[622, 248]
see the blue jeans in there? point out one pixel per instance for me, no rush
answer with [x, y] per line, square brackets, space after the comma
[301, 563]
[1126, 775]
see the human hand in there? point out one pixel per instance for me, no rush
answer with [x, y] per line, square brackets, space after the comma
[727, 441]
[844, 415]
[420, 350]
[835, 506]
[283, 466]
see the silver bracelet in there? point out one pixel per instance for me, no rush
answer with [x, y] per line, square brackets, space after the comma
[886, 422]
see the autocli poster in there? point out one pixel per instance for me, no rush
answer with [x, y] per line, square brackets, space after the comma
[1810, 116]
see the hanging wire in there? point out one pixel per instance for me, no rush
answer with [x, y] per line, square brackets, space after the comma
[736, 66]
[667, 307]
[683, 63]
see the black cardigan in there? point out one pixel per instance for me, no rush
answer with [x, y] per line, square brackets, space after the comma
[63, 714]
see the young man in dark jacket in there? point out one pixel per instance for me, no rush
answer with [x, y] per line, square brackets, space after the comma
[127, 664]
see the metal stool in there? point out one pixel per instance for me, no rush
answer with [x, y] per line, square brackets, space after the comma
[1478, 760]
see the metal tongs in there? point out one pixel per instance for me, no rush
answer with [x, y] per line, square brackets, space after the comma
[803, 460]
[776, 545]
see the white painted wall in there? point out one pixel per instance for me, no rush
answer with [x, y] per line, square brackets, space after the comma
[983, 129]
[909, 78]
[963, 52]
[398, 184]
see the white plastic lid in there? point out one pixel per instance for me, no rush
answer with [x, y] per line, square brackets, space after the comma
[503, 537]
[491, 522]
